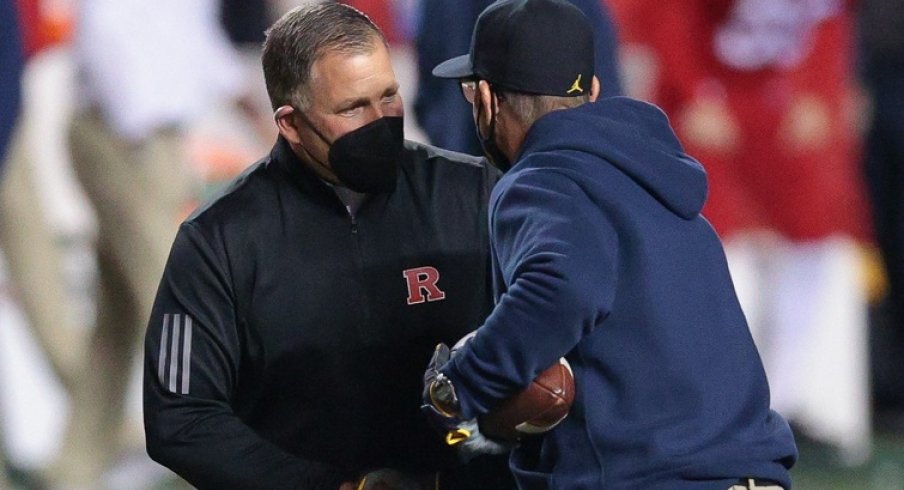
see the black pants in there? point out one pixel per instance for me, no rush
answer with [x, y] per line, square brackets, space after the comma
[884, 171]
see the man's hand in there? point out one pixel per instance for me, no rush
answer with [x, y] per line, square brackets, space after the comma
[440, 403]
[439, 400]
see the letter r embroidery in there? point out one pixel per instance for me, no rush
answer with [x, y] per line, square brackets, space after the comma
[423, 280]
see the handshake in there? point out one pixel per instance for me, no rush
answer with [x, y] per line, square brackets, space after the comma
[536, 409]
[441, 406]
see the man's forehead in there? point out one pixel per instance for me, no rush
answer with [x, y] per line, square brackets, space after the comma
[345, 74]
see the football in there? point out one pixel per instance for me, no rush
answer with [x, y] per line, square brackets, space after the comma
[536, 409]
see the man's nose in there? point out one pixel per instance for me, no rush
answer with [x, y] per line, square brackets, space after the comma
[373, 113]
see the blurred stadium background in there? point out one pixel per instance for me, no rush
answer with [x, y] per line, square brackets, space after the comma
[219, 143]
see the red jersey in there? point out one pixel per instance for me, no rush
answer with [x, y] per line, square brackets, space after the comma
[762, 58]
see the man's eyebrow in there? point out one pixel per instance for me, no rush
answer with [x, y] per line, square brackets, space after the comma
[352, 102]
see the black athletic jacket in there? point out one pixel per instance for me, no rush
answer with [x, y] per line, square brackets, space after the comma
[288, 340]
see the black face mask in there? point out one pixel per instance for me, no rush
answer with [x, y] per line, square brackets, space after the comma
[367, 159]
[492, 151]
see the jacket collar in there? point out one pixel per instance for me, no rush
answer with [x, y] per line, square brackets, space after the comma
[309, 183]
[298, 172]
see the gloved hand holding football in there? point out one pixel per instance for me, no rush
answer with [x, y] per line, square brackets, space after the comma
[535, 410]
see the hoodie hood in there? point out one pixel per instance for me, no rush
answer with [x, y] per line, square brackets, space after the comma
[633, 136]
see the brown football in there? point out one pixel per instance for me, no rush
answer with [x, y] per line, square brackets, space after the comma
[535, 410]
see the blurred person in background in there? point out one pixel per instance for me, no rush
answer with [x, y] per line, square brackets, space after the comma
[245, 20]
[30, 245]
[228, 136]
[11, 65]
[444, 30]
[881, 34]
[759, 91]
[145, 71]
[27, 239]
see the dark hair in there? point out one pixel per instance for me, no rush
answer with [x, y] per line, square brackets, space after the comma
[301, 37]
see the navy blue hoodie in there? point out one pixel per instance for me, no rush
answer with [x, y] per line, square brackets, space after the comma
[601, 255]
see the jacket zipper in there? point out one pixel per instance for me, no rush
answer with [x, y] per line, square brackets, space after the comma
[363, 332]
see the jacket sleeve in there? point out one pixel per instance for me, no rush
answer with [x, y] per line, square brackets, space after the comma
[556, 256]
[191, 366]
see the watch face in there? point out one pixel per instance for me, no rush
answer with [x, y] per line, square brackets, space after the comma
[443, 396]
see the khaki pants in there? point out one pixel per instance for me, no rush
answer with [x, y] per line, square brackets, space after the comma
[139, 192]
[34, 262]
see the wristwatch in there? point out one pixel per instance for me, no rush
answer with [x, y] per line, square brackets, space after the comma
[443, 397]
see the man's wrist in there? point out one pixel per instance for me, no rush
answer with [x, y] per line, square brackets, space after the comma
[443, 396]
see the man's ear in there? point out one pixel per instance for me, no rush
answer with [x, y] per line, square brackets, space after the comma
[486, 100]
[287, 125]
[594, 89]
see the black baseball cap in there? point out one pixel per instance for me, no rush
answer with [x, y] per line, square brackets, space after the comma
[542, 47]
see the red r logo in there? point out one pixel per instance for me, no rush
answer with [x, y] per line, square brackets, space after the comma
[423, 280]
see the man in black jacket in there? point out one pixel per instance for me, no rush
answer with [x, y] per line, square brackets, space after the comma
[296, 311]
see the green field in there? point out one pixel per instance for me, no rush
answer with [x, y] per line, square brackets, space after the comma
[818, 469]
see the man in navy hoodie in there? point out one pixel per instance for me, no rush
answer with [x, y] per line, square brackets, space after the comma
[600, 255]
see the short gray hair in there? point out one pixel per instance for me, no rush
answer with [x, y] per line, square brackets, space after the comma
[301, 37]
[530, 107]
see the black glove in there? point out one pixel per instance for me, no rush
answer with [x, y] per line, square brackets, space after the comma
[441, 405]
[439, 400]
